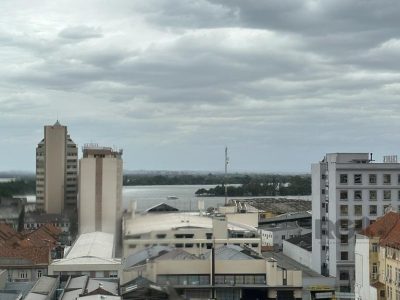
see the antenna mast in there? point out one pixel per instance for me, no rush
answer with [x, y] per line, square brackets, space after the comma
[226, 170]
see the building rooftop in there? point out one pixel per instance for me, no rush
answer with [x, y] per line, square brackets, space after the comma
[140, 257]
[85, 285]
[35, 217]
[93, 244]
[304, 241]
[10, 295]
[150, 222]
[43, 288]
[280, 227]
[32, 247]
[277, 206]
[382, 226]
[91, 248]
[286, 262]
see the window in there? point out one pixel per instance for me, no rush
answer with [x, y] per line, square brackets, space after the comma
[387, 195]
[344, 275]
[343, 178]
[372, 195]
[344, 255]
[357, 178]
[387, 179]
[344, 224]
[358, 225]
[343, 195]
[398, 179]
[358, 195]
[372, 178]
[398, 195]
[385, 208]
[374, 268]
[372, 210]
[161, 236]
[358, 210]
[344, 210]
[323, 176]
[323, 191]
[283, 237]
[374, 247]
[344, 238]
[39, 273]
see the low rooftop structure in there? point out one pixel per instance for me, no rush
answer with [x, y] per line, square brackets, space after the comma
[44, 289]
[92, 252]
[303, 241]
[82, 287]
[184, 230]
[34, 220]
[229, 270]
[274, 206]
[12, 212]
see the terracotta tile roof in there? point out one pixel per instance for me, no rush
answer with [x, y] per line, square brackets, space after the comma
[33, 246]
[383, 225]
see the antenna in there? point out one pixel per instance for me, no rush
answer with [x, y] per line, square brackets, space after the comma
[226, 169]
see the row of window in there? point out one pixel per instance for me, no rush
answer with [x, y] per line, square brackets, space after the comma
[372, 179]
[358, 210]
[191, 245]
[372, 195]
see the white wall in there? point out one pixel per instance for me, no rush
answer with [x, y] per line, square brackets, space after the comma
[362, 284]
[87, 191]
[297, 253]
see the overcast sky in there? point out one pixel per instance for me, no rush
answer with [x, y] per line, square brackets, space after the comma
[280, 82]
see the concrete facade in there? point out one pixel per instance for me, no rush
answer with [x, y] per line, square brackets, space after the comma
[348, 192]
[100, 190]
[56, 171]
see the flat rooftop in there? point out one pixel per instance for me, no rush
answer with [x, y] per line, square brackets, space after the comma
[290, 264]
[93, 244]
[304, 241]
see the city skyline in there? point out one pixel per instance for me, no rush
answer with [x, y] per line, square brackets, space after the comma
[174, 82]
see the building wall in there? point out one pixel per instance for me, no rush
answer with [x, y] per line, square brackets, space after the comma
[362, 270]
[3, 278]
[87, 192]
[55, 156]
[93, 270]
[100, 195]
[250, 219]
[298, 254]
[390, 271]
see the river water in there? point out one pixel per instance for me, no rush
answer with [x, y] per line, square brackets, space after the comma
[148, 196]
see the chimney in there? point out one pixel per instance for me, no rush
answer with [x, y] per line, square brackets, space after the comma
[133, 208]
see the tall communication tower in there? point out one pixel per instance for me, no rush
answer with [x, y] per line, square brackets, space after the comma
[225, 177]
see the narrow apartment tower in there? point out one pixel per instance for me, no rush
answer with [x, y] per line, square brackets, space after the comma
[349, 192]
[100, 190]
[56, 171]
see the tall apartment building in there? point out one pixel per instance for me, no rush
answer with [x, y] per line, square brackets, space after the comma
[349, 191]
[100, 190]
[56, 170]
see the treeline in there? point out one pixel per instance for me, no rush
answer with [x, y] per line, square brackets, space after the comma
[180, 179]
[22, 186]
[277, 186]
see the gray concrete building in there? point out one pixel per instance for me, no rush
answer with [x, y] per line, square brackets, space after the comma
[349, 191]
[56, 170]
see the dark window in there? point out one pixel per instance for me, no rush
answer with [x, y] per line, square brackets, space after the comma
[372, 178]
[343, 178]
[357, 178]
[387, 179]
[344, 255]
[344, 275]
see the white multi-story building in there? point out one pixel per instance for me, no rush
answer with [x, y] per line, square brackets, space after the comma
[349, 191]
[56, 171]
[100, 190]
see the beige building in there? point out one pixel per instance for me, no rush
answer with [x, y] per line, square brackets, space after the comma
[165, 226]
[100, 190]
[56, 170]
[224, 272]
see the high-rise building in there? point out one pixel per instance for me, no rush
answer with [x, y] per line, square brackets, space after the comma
[100, 190]
[56, 171]
[349, 191]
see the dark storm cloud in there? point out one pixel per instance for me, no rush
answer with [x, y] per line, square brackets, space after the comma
[267, 78]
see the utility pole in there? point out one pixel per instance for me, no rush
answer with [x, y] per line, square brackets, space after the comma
[226, 170]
